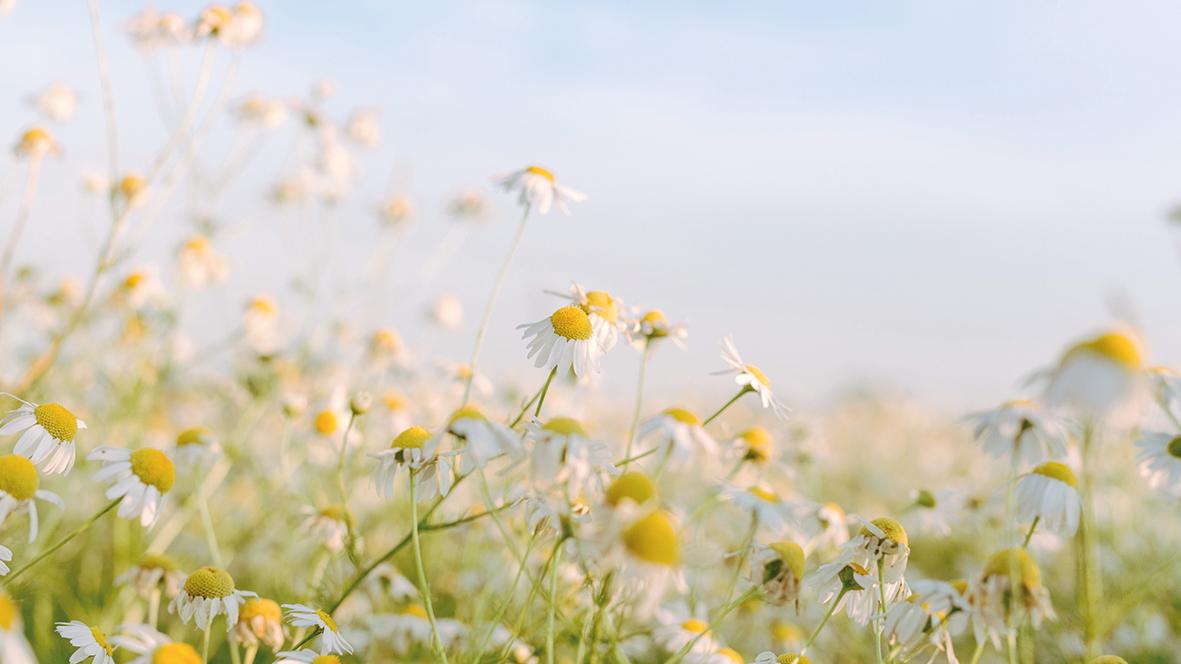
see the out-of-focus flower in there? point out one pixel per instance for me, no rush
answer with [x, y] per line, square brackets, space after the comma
[331, 640]
[680, 433]
[1159, 461]
[751, 378]
[91, 643]
[395, 210]
[259, 621]
[1101, 377]
[364, 127]
[35, 143]
[14, 648]
[261, 322]
[447, 312]
[1021, 429]
[56, 102]
[150, 29]
[653, 325]
[261, 111]
[416, 450]
[536, 188]
[777, 569]
[154, 573]
[990, 596]
[468, 205]
[152, 647]
[1050, 494]
[562, 453]
[199, 264]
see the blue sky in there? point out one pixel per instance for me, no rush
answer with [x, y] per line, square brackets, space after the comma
[930, 196]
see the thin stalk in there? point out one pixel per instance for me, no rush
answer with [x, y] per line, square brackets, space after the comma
[879, 622]
[631, 432]
[1029, 535]
[685, 649]
[553, 604]
[62, 542]
[205, 645]
[423, 584]
[729, 403]
[824, 621]
[207, 526]
[544, 391]
[1088, 559]
[350, 535]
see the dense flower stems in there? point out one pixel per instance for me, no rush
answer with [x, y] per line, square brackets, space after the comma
[479, 651]
[496, 286]
[423, 584]
[62, 542]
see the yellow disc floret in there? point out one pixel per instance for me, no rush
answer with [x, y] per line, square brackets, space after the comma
[326, 423]
[683, 416]
[732, 655]
[1058, 471]
[412, 438]
[1005, 561]
[1118, 347]
[567, 426]
[157, 561]
[59, 422]
[792, 658]
[327, 620]
[101, 640]
[18, 477]
[176, 653]
[257, 607]
[10, 613]
[758, 374]
[1108, 659]
[194, 436]
[153, 468]
[601, 303]
[792, 555]
[467, 413]
[891, 528]
[694, 625]
[210, 583]
[571, 323]
[326, 659]
[634, 486]
[653, 539]
[415, 610]
[542, 172]
[764, 494]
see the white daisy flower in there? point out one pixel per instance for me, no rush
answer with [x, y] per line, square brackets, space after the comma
[1159, 461]
[259, 621]
[653, 326]
[646, 553]
[932, 512]
[677, 626]
[536, 188]
[603, 310]
[199, 265]
[416, 450]
[208, 592]
[750, 378]
[14, 647]
[882, 541]
[760, 500]
[768, 657]
[195, 447]
[5, 558]
[19, 484]
[331, 640]
[154, 573]
[680, 433]
[90, 642]
[141, 478]
[153, 647]
[990, 593]
[755, 445]
[563, 453]
[777, 569]
[1021, 428]
[564, 341]
[934, 612]
[1049, 493]
[56, 101]
[47, 434]
[35, 143]
[261, 322]
[410, 627]
[329, 526]
[483, 439]
[1100, 377]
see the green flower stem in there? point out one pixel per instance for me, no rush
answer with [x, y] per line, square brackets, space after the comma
[685, 649]
[1029, 535]
[553, 603]
[423, 584]
[544, 391]
[736, 397]
[824, 621]
[62, 542]
[631, 432]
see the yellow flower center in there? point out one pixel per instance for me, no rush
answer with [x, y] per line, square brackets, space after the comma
[571, 323]
[326, 422]
[59, 422]
[412, 438]
[263, 305]
[694, 625]
[653, 539]
[892, 529]
[1174, 447]
[327, 620]
[567, 426]
[35, 137]
[210, 583]
[131, 185]
[18, 477]
[101, 640]
[764, 494]
[792, 555]
[393, 401]
[259, 608]
[176, 653]
[785, 631]
[415, 610]
[1057, 471]
[759, 443]
[335, 513]
[467, 413]
[1117, 347]
[157, 561]
[153, 468]
[683, 416]
[197, 244]
[134, 281]
[732, 655]
[792, 658]
[194, 436]
[386, 340]
[633, 485]
[1008, 560]
[758, 374]
[326, 659]
[9, 612]
[537, 170]
[601, 303]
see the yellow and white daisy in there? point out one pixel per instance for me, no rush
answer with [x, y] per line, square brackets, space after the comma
[410, 627]
[679, 433]
[260, 621]
[537, 188]
[207, 593]
[35, 143]
[447, 311]
[416, 450]
[564, 341]
[483, 439]
[468, 205]
[777, 570]
[931, 512]
[331, 640]
[1049, 493]
[750, 378]
[677, 626]
[760, 500]
[1101, 377]
[14, 647]
[882, 542]
[19, 484]
[199, 265]
[260, 111]
[990, 595]
[153, 647]
[154, 573]
[646, 551]
[195, 447]
[605, 313]
[140, 477]
[652, 326]
[563, 454]
[305, 657]
[329, 526]
[1159, 461]
[933, 613]
[1021, 428]
[261, 322]
[47, 433]
[150, 29]
[90, 642]
[56, 102]
[364, 127]
[755, 445]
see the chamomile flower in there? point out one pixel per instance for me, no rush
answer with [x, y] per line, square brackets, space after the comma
[604, 311]
[154, 573]
[680, 433]
[563, 341]
[153, 647]
[483, 439]
[931, 512]
[331, 640]
[207, 593]
[777, 570]
[537, 188]
[416, 450]
[678, 626]
[750, 378]
[261, 322]
[47, 432]
[634, 486]
[647, 553]
[1049, 493]
[35, 143]
[56, 102]
[768, 657]
[199, 265]
[933, 613]
[755, 445]
[446, 311]
[140, 477]
[195, 446]
[562, 453]
[1100, 377]
[330, 526]
[14, 647]
[259, 621]
[90, 642]
[763, 502]
[260, 111]
[410, 627]
[881, 542]
[1022, 429]
[653, 325]
[990, 594]
[19, 484]
[1159, 461]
